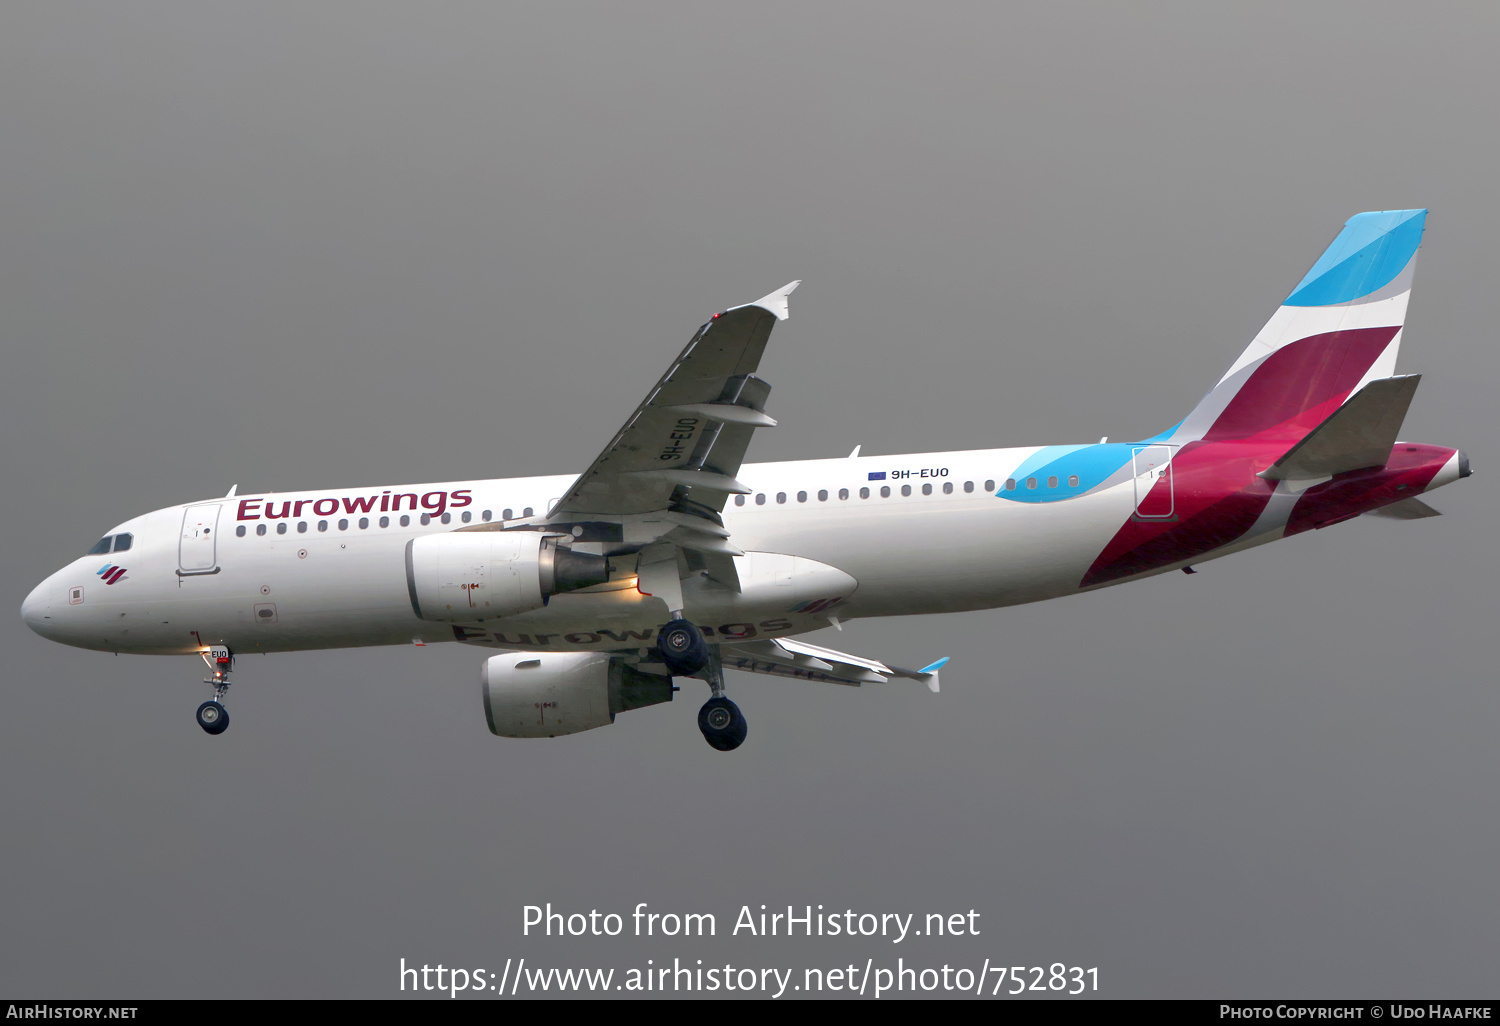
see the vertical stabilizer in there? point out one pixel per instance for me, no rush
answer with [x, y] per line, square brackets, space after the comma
[1338, 330]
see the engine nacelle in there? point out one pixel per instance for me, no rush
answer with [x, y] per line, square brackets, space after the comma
[479, 575]
[546, 694]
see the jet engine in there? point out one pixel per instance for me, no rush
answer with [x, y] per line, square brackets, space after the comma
[529, 694]
[467, 576]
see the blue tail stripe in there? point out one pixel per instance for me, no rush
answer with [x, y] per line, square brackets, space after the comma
[1367, 255]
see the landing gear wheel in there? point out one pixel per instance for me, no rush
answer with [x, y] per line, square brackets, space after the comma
[722, 723]
[213, 717]
[682, 647]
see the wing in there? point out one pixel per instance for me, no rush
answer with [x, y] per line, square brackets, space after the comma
[783, 657]
[688, 439]
[661, 484]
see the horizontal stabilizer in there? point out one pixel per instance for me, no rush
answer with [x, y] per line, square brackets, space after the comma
[1358, 434]
[1406, 509]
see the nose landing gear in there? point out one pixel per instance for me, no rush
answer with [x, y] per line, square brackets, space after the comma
[212, 716]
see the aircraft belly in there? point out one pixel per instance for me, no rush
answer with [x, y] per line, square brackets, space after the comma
[983, 554]
[304, 593]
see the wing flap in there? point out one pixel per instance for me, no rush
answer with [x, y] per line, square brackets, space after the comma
[783, 657]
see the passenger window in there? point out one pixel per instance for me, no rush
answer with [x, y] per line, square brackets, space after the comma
[822, 495]
[1052, 482]
[426, 519]
[405, 520]
[843, 493]
[1010, 485]
[968, 486]
[239, 532]
[947, 487]
[448, 518]
[989, 486]
[343, 525]
[801, 496]
[485, 516]
[760, 499]
[885, 491]
[385, 521]
[322, 525]
[364, 523]
[525, 512]
[927, 489]
[781, 496]
[864, 493]
[467, 516]
[739, 500]
[302, 527]
[504, 515]
[1072, 480]
[122, 541]
[260, 529]
[1031, 482]
[100, 547]
[281, 527]
[906, 489]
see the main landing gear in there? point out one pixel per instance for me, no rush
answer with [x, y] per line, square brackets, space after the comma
[681, 645]
[721, 721]
[212, 716]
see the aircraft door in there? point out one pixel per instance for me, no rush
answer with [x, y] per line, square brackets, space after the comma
[1154, 498]
[200, 530]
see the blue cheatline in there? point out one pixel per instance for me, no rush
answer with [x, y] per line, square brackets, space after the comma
[1092, 464]
[1368, 254]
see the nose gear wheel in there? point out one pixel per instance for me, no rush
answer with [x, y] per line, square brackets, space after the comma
[212, 716]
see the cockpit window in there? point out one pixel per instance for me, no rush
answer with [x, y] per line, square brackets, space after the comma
[119, 542]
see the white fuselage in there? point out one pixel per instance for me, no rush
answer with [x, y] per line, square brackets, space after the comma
[316, 579]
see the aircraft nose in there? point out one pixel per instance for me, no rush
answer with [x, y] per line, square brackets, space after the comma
[37, 608]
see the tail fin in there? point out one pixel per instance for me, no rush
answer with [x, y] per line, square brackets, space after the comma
[1338, 330]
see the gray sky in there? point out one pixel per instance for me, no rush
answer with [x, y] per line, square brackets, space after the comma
[296, 246]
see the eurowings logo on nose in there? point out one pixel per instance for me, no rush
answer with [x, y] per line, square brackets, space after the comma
[111, 573]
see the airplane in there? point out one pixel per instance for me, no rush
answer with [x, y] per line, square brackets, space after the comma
[669, 557]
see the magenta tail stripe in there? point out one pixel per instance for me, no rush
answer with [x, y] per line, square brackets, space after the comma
[1300, 376]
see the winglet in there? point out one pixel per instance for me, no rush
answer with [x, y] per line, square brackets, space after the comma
[930, 671]
[776, 302]
[232, 489]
